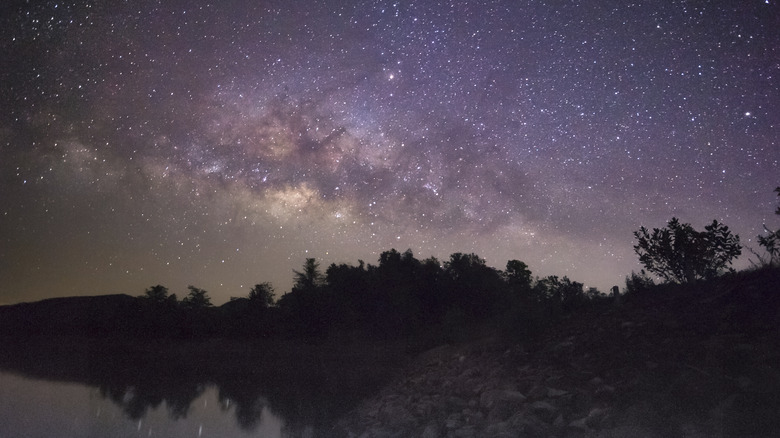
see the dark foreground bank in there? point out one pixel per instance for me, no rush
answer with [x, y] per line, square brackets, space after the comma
[667, 361]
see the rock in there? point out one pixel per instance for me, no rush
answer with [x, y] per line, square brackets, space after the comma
[595, 417]
[453, 421]
[489, 398]
[544, 410]
[529, 425]
[456, 403]
[633, 431]
[395, 414]
[471, 372]
[500, 412]
[423, 408]
[605, 392]
[378, 432]
[496, 428]
[581, 424]
[501, 404]
[512, 396]
[552, 392]
[465, 432]
[537, 393]
[563, 350]
[431, 431]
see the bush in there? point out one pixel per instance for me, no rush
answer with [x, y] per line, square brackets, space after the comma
[638, 283]
[680, 254]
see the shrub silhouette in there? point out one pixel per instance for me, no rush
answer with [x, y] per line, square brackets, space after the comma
[261, 295]
[638, 283]
[157, 294]
[680, 254]
[196, 299]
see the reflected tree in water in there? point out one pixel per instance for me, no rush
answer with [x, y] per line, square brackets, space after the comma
[137, 400]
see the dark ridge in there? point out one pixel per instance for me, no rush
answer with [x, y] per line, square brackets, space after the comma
[94, 315]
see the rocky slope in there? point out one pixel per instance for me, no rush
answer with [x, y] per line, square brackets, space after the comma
[697, 361]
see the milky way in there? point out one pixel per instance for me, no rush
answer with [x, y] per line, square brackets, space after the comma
[221, 144]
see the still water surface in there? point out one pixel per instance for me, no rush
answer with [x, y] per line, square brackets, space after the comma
[45, 408]
[87, 387]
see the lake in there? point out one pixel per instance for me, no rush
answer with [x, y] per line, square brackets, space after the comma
[41, 408]
[74, 387]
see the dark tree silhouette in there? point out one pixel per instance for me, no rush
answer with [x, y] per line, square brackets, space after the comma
[262, 295]
[196, 299]
[462, 266]
[474, 287]
[308, 308]
[157, 294]
[525, 311]
[349, 286]
[396, 305]
[430, 289]
[161, 313]
[517, 275]
[560, 294]
[680, 254]
[310, 277]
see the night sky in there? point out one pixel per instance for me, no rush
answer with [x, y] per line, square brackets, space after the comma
[220, 144]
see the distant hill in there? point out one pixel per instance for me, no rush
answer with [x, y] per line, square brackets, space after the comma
[124, 316]
[95, 315]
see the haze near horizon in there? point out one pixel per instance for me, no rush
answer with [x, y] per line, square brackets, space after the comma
[220, 145]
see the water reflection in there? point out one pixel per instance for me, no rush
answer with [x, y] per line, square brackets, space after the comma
[73, 387]
[41, 408]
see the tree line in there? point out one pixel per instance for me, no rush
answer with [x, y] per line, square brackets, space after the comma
[402, 295]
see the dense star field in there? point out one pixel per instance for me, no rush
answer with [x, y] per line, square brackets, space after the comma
[220, 144]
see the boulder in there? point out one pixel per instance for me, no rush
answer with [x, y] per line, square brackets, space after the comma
[489, 398]
[431, 431]
[544, 410]
[553, 393]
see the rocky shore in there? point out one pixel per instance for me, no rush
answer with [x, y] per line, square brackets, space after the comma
[468, 391]
[696, 365]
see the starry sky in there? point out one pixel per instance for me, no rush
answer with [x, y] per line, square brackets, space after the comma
[220, 144]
